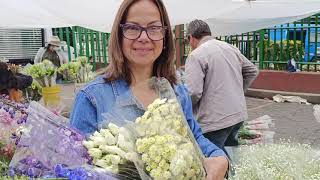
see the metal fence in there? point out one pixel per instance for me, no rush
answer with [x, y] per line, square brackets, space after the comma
[268, 48]
[80, 41]
[272, 48]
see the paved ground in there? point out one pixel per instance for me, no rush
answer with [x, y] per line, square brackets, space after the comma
[292, 121]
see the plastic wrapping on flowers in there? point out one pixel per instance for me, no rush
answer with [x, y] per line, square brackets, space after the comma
[12, 118]
[257, 131]
[157, 140]
[46, 142]
[85, 172]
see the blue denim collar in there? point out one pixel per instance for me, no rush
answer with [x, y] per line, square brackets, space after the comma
[124, 95]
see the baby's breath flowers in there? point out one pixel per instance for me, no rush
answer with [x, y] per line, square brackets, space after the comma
[283, 161]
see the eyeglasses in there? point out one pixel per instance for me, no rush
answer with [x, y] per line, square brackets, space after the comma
[133, 32]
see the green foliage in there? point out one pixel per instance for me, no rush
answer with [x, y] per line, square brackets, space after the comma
[272, 52]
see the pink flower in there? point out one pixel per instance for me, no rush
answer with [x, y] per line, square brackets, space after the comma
[5, 117]
[8, 150]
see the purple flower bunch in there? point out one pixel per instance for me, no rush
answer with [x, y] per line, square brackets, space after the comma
[46, 142]
[12, 118]
[79, 173]
[29, 166]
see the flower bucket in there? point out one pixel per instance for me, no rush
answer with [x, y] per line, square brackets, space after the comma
[51, 95]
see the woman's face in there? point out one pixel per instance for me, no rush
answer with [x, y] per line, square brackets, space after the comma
[142, 52]
[54, 48]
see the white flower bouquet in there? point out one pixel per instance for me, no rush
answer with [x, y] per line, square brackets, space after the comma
[165, 145]
[111, 149]
[157, 139]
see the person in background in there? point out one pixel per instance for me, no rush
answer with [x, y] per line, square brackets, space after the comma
[65, 49]
[11, 84]
[52, 52]
[141, 46]
[217, 75]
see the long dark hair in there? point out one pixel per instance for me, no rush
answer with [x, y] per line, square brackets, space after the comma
[118, 67]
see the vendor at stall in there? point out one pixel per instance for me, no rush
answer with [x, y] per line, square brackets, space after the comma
[52, 52]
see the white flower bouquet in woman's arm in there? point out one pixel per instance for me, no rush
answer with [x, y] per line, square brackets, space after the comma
[164, 141]
[165, 146]
[157, 139]
[112, 146]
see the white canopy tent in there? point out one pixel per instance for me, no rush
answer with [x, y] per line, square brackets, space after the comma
[224, 16]
[261, 14]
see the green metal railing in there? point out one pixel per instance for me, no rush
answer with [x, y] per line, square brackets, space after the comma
[80, 41]
[272, 48]
[268, 48]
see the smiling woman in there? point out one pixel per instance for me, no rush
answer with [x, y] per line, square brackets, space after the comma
[152, 47]
[140, 47]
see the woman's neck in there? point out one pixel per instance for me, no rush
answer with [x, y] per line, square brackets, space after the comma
[140, 75]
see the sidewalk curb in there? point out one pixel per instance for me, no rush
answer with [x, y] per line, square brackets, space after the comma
[262, 93]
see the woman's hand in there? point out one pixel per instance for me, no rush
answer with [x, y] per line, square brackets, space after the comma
[216, 167]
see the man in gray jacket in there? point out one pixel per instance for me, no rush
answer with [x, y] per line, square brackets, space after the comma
[217, 75]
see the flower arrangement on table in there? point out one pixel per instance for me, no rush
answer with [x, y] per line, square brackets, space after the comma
[12, 119]
[78, 71]
[49, 148]
[44, 73]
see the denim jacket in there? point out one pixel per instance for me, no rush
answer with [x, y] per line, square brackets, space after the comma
[99, 97]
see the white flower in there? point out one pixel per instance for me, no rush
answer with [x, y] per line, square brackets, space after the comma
[99, 140]
[109, 138]
[113, 128]
[132, 156]
[102, 163]
[277, 161]
[96, 134]
[113, 150]
[95, 153]
[125, 133]
[112, 159]
[164, 145]
[124, 144]
[88, 144]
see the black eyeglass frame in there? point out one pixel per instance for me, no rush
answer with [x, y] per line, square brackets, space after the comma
[122, 26]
